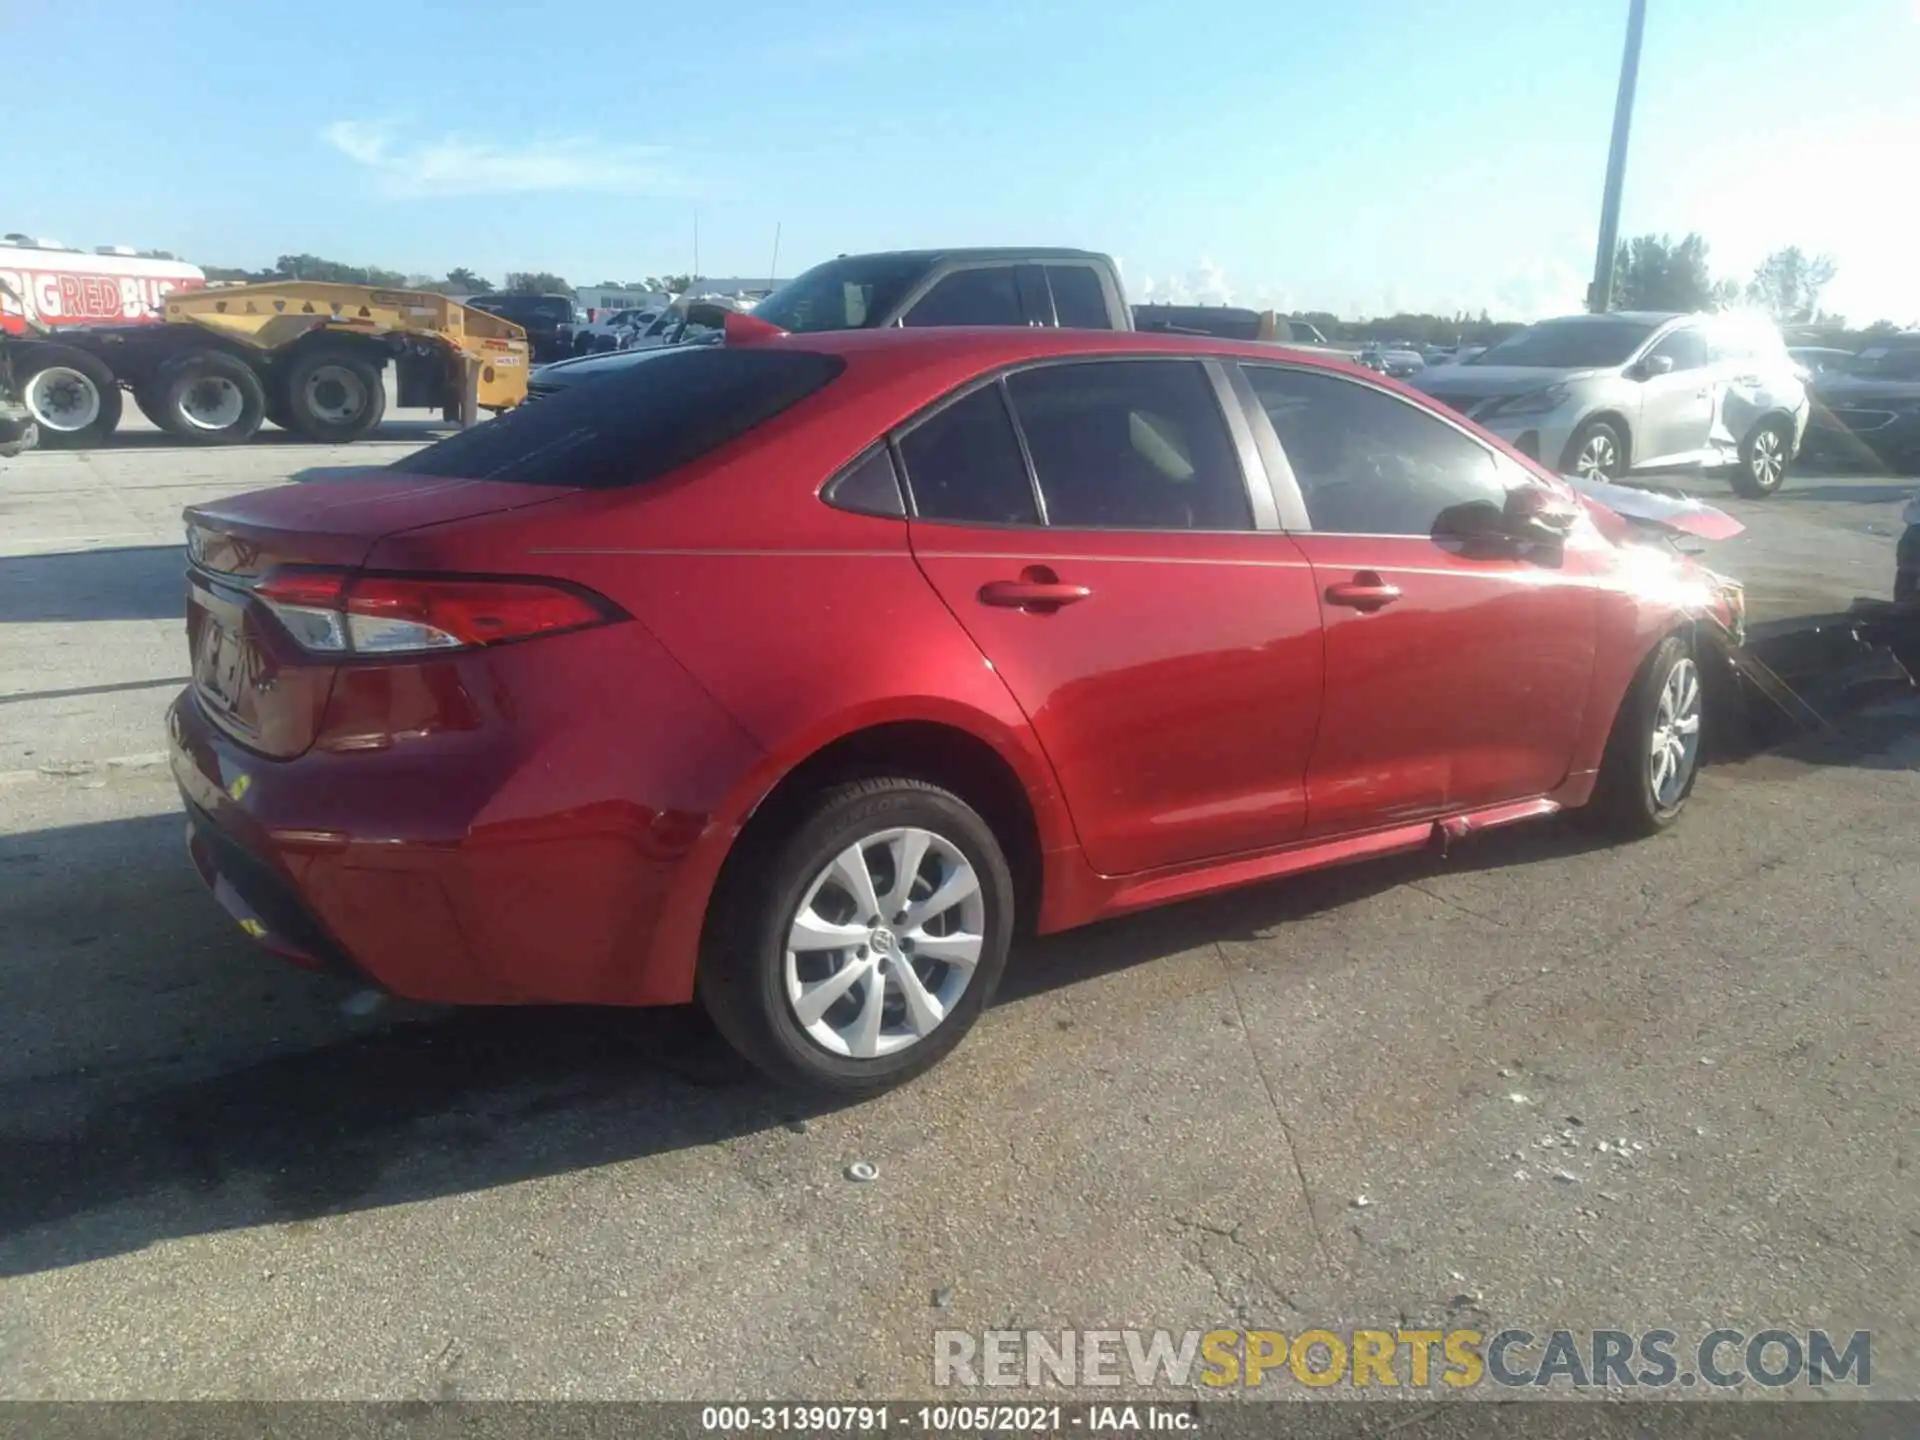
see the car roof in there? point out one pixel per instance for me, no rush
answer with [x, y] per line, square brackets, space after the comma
[983, 252]
[1643, 317]
[984, 347]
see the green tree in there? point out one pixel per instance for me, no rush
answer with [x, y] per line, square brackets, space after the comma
[536, 282]
[1881, 327]
[462, 281]
[1651, 272]
[1787, 284]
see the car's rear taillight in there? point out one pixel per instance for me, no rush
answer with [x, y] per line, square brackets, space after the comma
[343, 612]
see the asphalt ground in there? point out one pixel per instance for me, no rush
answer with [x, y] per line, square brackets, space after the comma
[1538, 1083]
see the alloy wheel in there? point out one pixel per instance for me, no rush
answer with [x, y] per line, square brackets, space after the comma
[1598, 458]
[1675, 746]
[1768, 461]
[884, 943]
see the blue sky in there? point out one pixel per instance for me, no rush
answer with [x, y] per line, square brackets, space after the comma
[1353, 155]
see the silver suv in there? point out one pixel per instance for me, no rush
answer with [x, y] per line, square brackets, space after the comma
[1605, 396]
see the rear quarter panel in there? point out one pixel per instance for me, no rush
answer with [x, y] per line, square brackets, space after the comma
[804, 623]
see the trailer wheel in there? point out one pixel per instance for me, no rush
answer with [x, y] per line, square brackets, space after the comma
[208, 397]
[70, 395]
[334, 394]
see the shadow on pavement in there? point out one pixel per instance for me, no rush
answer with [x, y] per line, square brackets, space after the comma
[143, 582]
[99, 1156]
[164, 1095]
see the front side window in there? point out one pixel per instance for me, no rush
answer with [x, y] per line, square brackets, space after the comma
[964, 464]
[971, 297]
[1687, 348]
[1130, 445]
[1368, 463]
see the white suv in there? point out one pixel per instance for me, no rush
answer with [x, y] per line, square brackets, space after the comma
[1606, 396]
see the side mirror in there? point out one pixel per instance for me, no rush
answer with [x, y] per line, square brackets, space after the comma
[1478, 527]
[1534, 514]
[1652, 366]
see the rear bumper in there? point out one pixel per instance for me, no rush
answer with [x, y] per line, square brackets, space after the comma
[444, 873]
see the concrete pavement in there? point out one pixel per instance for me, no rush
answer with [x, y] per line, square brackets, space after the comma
[1289, 1107]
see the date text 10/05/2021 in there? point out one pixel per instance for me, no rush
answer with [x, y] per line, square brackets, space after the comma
[957, 1419]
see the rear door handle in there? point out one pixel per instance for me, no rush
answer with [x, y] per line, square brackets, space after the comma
[1366, 592]
[1038, 588]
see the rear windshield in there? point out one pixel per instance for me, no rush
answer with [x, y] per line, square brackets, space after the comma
[632, 424]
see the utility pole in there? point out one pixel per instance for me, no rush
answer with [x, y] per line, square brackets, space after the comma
[1600, 293]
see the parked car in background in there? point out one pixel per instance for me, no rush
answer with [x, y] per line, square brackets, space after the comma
[1817, 360]
[549, 320]
[582, 705]
[1606, 396]
[1393, 358]
[1869, 409]
[606, 331]
[1233, 322]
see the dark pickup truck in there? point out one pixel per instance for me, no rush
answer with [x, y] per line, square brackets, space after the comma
[1078, 289]
[1075, 289]
[547, 319]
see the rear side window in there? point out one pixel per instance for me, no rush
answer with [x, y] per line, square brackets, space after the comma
[1078, 300]
[964, 464]
[1131, 445]
[971, 297]
[632, 424]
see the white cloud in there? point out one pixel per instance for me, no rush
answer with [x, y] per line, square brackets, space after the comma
[1205, 284]
[456, 165]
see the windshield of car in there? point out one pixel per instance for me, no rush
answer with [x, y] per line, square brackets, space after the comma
[853, 293]
[1569, 344]
[1883, 362]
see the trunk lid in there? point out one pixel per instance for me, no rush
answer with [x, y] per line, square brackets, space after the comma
[248, 674]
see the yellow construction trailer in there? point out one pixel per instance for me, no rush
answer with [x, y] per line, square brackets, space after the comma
[310, 357]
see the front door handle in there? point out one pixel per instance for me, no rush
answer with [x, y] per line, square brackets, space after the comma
[1366, 592]
[1038, 589]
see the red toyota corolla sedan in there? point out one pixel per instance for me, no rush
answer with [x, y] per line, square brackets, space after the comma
[799, 674]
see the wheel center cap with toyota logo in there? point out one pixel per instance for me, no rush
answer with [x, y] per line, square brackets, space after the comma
[883, 940]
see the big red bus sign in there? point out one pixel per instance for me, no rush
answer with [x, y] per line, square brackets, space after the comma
[71, 287]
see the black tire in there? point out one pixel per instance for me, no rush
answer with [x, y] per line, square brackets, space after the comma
[277, 410]
[1625, 804]
[320, 396]
[208, 397]
[1602, 436]
[742, 970]
[86, 383]
[147, 398]
[1765, 454]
